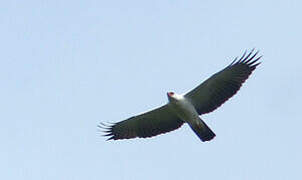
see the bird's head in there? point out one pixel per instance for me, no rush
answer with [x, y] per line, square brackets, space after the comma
[173, 96]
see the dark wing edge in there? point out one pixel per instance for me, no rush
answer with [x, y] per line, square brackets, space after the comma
[217, 89]
[149, 124]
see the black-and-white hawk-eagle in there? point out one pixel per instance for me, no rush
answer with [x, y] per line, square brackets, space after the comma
[187, 108]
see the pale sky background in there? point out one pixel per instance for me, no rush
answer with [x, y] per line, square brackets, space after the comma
[67, 65]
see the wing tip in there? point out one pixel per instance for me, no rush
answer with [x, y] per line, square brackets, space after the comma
[248, 59]
[106, 129]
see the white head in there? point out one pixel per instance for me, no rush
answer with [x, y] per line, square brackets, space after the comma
[173, 96]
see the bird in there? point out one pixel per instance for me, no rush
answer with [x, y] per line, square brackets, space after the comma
[187, 108]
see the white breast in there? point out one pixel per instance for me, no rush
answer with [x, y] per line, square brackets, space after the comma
[184, 109]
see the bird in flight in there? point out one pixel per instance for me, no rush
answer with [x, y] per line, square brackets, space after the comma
[187, 108]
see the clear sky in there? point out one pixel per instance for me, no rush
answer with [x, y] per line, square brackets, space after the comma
[67, 65]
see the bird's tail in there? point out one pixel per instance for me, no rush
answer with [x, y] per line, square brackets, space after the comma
[202, 130]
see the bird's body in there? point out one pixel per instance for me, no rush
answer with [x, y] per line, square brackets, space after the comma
[181, 109]
[185, 110]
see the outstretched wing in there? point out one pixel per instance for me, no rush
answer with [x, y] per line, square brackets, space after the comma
[213, 92]
[152, 123]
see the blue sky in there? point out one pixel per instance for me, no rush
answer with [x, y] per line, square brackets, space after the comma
[67, 65]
